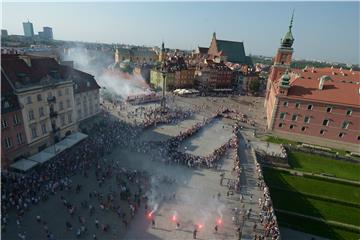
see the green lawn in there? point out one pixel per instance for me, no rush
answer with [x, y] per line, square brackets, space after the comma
[299, 203]
[319, 164]
[315, 227]
[273, 139]
[342, 192]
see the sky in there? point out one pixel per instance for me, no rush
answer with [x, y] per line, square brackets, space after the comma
[322, 30]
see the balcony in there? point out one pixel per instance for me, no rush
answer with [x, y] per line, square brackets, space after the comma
[53, 114]
[51, 99]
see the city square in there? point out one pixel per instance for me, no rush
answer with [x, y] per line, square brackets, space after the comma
[180, 120]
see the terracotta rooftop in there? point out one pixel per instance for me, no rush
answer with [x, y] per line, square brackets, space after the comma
[340, 89]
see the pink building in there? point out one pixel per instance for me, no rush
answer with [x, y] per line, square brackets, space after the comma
[13, 138]
[320, 103]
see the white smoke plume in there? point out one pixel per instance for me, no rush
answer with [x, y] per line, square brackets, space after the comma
[100, 64]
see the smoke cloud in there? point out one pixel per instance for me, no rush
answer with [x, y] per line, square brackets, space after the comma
[102, 66]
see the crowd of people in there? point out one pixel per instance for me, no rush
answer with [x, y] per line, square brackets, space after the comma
[20, 192]
[267, 214]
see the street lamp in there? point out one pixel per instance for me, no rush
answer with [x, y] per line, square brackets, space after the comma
[163, 73]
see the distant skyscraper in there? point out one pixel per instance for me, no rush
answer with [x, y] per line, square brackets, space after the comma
[4, 33]
[28, 29]
[48, 33]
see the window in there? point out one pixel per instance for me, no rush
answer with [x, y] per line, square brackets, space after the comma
[88, 84]
[281, 125]
[341, 135]
[28, 100]
[69, 118]
[328, 109]
[39, 97]
[78, 102]
[294, 117]
[68, 105]
[310, 107]
[358, 138]
[7, 142]
[62, 120]
[16, 120]
[19, 137]
[345, 124]
[307, 119]
[49, 94]
[349, 112]
[67, 91]
[282, 115]
[41, 111]
[303, 129]
[59, 93]
[286, 104]
[34, 132]
[4, 123]
[43, 128]
[292, 126]
[326, 122]
[297, 105]
[322, 131]
[31, 115]
[61, 105]
[79, 113]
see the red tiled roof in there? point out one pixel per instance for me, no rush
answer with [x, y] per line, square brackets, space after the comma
[18, 72]
[338, 90]
[336, 74]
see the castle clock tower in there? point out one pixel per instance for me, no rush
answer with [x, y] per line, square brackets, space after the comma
[283, 58]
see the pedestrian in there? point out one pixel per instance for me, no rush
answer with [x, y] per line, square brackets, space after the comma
[153, 223]
[216, 228]
[177, 225]
[194, 233]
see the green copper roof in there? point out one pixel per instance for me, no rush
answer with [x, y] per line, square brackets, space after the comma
[234, 51]
[288, 39]
[285, 80]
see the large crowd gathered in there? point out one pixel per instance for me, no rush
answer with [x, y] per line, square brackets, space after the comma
[20, 192]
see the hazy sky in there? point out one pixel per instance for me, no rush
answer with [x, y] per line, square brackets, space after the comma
[322, 30]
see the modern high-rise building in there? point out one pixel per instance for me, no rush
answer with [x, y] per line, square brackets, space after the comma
[4, 33]
[48, 33]
[28, 29]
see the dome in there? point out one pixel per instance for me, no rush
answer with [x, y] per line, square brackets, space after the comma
[288, 39]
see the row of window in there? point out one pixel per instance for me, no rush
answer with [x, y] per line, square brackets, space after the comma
[34, 132]
[344, 125]
[311, 107]
[39, 96]
[8, 143]
[5, 124]
[322, 131]
[31, 114]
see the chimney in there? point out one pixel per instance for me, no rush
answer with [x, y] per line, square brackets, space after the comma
[26, 59]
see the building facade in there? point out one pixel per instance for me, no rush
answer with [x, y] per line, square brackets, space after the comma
[137, 55]
[212, 75]
[45, 91]
[28, 29]
[13, 137]
[87, 97]
[319, 103]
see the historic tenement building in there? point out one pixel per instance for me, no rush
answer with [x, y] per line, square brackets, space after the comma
[45, 91]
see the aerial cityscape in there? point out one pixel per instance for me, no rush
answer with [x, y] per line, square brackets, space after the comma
[180, 120]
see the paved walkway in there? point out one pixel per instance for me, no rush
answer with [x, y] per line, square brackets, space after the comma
[249, 189]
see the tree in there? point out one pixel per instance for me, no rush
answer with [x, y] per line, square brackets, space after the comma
[254, 85]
